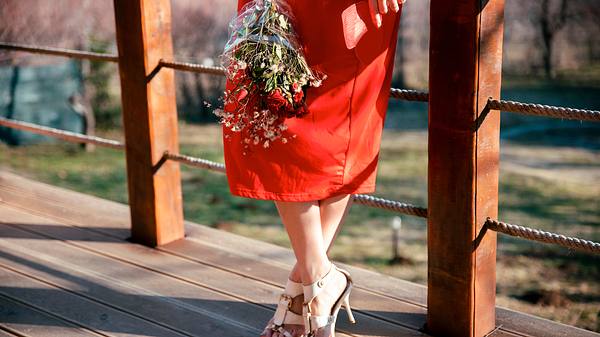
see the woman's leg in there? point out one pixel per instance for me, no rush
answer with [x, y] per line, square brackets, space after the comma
[302, 221]
[333, 213]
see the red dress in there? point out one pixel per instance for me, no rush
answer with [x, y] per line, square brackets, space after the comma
[336, 147]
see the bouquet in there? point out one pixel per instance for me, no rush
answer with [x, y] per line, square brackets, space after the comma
[267, 71]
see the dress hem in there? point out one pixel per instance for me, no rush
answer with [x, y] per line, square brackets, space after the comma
[266, 195]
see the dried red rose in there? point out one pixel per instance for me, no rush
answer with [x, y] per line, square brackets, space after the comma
[298, 96]
[276, 101]
[242, 94]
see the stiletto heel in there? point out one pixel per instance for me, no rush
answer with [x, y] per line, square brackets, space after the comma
[348, 310]
[313, 322]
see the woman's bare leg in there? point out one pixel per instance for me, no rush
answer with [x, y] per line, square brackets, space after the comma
[302, 221]
[312, 227]
[333, 213]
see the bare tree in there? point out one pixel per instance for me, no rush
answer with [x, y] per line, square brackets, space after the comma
[551, 19]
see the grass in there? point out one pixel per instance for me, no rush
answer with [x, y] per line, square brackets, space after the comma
[545, 280]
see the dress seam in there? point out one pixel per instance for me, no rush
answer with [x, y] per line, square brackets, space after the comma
[350, 121]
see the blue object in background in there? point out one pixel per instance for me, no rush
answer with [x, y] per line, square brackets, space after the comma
[40, 95]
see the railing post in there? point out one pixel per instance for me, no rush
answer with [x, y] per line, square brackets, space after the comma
[149, 119]
[464, 70]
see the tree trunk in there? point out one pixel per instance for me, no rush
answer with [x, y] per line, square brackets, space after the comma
[88, 110]
[547, 38]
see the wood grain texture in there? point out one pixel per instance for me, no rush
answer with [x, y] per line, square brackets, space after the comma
[26, 320]
[150, 120]
[465, 68]
[84, 249]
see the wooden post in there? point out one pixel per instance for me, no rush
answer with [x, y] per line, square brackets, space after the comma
[149, 119]
[464, 70]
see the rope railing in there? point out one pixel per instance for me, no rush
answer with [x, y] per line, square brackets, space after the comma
[78, 54]
[544, 110]
[542, 236]
[192, 67]
[196, 162]
[61, 134]
[390, 205]
[403, 94]
[409, 95]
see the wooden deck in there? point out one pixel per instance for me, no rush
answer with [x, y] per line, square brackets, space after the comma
[67, 269]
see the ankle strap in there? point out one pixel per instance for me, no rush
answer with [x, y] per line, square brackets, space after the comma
[312, 290]
[293, 288]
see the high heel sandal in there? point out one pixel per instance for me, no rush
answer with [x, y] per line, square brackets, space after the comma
[283, 313]
[313, 322]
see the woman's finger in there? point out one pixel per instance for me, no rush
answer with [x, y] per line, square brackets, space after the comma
[383, 6]
[374, 11]
[394, 5]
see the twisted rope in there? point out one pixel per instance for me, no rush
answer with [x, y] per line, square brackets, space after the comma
[60, 52]
[196, 162]
[542, 236]
[192, 67]
[544, 110]
[390, 205]
[61, 134]
[409, 95]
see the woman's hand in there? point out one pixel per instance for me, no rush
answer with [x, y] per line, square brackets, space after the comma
[377, 8]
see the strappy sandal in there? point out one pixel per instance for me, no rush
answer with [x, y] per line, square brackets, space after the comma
[312, 323]
[283, 314]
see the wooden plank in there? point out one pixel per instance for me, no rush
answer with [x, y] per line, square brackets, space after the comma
[6, 333]
[56, 201]
[215, 279]
[180, 306]
[465, 67]
[75, 309]
[149, 120]
[25, 320]
[530, 325]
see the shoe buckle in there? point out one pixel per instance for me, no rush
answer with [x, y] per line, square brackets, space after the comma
[307, 324]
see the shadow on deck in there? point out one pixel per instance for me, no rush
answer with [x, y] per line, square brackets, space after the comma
[67, 269]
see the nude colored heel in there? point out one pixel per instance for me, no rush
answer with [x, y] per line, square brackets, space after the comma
[313, 322]
[348, 310]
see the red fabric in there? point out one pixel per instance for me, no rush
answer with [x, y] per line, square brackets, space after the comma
[337, 144]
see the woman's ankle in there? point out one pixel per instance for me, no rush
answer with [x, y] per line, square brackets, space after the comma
[315, 271]
[295, 275]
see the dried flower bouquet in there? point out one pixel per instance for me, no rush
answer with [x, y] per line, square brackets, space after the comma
[267, 71]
